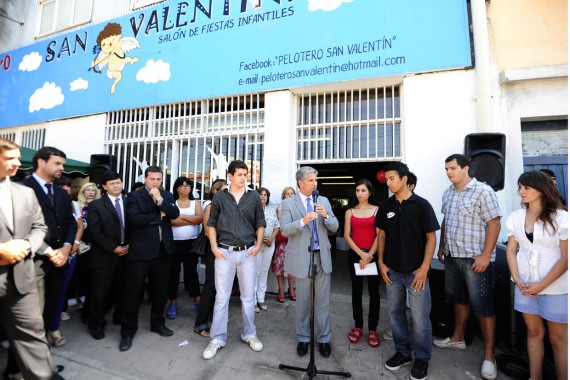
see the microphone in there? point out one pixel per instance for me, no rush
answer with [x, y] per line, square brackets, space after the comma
[315, 195]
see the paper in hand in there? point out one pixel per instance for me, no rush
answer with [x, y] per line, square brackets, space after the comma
[370, 269]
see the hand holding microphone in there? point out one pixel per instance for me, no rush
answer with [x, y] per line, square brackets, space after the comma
[319, 209]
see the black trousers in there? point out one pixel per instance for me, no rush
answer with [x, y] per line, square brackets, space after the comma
[136, 272]
[49, 285]
[183, 256]
[373, 291]
[107, 286]
[208, 297]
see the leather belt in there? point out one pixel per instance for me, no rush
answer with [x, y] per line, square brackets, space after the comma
[236, 248]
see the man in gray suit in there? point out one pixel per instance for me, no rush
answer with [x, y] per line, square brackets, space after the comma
[22, 231]
[299, 216]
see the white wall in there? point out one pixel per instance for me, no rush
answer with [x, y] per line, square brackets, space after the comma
[438, 111]
[79, 137]
[279, 148]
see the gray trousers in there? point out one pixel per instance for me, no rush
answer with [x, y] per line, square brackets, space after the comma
[322, 306]
[24, 326]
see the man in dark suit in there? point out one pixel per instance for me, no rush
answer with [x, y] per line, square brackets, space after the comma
[48, 165]
[22, 231]
[149, 211]
[301, 218]
[109, 236]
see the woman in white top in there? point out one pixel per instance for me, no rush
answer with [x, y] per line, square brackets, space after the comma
[537, 254]
[185, 230]
[266, 254]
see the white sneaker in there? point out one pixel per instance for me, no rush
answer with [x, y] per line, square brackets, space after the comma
[388, 335]
[489, 370]
[448, 344]
[254, 343]
[211, 350]
[65, 316]
[72, 302]
[256, 309]
[82, 299]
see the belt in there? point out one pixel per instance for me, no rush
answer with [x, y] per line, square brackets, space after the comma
[236, 248]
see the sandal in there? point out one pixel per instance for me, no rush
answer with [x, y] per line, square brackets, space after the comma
[202, 332]
[55, 339]
[292, 295]
[171, 312]
[281, 298]
[373, 339]
[354, 335]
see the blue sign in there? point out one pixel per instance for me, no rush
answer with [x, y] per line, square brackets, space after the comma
[185, 50]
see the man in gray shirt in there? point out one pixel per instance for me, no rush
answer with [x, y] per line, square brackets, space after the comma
[236, 226]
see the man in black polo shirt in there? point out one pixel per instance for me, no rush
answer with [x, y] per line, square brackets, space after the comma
[406, 226]
[236, 226]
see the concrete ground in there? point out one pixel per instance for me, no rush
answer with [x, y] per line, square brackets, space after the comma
[180, 356]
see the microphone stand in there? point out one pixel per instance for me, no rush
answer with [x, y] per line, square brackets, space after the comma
[311, 369]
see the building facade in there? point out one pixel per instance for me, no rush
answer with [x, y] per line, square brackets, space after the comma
[342, 85]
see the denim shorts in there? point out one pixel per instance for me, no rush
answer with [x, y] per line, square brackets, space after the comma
[465, 287]
[552, 307]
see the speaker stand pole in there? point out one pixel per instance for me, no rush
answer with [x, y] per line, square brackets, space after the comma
[311, 369]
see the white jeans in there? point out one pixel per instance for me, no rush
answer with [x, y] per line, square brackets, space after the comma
[225, 272]
[262, 270]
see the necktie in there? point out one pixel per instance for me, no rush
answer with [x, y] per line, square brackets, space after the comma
[312, 224]
[120, 215]
[50, 194]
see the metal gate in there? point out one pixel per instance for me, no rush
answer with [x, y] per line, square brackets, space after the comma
[195, 139]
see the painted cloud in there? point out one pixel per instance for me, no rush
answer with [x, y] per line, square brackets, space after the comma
[46, 97]
[326, 5]
[30, 62]
[78, 84]
[153, 71]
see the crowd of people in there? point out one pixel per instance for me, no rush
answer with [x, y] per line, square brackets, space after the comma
[55, 252]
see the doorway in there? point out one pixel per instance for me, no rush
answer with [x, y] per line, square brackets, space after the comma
[336, 182]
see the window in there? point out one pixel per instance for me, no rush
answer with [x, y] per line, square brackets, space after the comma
[56, 15]
[143, 3]
[344, 126]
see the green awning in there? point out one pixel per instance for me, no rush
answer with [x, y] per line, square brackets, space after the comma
[71, 166]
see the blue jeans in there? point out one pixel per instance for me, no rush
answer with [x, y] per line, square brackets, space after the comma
[465, 287]
[420, 306]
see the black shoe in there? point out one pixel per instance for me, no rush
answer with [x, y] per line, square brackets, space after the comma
[302, 348]
[419, 370]
[325, 350]
[396, 361]
[126, 343]
[60, 368]
[97, 332]
[162, 330]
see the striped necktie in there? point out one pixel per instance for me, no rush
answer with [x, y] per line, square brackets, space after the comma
[313, 224]
[120, 215]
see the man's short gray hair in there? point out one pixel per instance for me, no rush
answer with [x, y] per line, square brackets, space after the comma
[303, 172]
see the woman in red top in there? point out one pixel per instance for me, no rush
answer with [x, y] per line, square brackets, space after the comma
[360, 235]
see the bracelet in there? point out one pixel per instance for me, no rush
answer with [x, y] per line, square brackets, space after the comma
[76, 242]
